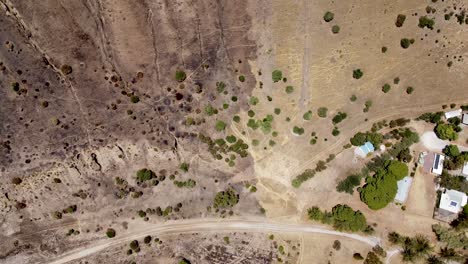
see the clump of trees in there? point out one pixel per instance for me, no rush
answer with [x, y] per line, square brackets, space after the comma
[458, 183]
[307, 174]
[431, 117]
[381, 188]
[361, 138]
[424, 21]
[414, 248]
[455, 159]
[349, 183]
[342, 217]
[226, 199]
[446, 131]
[340, 116]
[298, 130]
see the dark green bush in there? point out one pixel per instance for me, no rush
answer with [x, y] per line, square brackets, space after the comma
[328, 16]
[180, 76]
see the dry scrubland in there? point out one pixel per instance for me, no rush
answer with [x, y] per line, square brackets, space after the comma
[94, 91]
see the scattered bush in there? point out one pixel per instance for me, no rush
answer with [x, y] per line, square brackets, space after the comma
[409, 90]
[335, 29]
[431, 117]
[353, 98]
[145, 175]
[180, 76]
[242, 78]
[357, 74]
[424, 21]
[277, 75]
[289, 89]
[298, 130]
[134, 99]
[253, 100]
[66, 69]
[357, 256]
[322, 112]
[110, 233]
[16, 181]
[328, 16]
[386, 88]
[307, 115]
[298, 180]
[400, 20]
[220, 126]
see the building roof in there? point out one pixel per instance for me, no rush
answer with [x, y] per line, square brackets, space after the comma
[404, 186]
[364, 149]
[452, 201]
[453, 113]
[465, 169]
[438, 164]
[465, 119]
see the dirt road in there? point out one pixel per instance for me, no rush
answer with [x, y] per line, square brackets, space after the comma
[205, 225]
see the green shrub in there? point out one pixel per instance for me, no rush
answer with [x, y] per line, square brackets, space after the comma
[277, 111]
[298, 130]
[409, 90]
[424, 21]
[405, 43]
[236, 118]
[307, 115]
[446, 132]
[384, 49]
[340, 116]
[400, 20]
[145, 175]
[251, 113]
[396, 80]
[180, 76]
[66, 69]
[220, 126]
[110, 233]
[357, 74]
[342, 217]
[15, 86]
[134, 99]
[289, 89]
[335, 29]
[322, 112]
[277, 75]
[184, 167]
[253, 100]
[242, 78]
[347, 185]
[226, 199]
[328, 16]
[386, 88]
[353, 98]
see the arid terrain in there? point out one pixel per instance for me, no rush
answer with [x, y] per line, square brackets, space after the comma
[183, 125]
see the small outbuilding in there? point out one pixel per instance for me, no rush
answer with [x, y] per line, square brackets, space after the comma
[438, 164]
[465, 169]
[465, 119]
[454, 113]
[404, 186]
[365, 149]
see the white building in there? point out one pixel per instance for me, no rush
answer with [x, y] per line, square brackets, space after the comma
[453, 113]
[438, 164]
[465, 169]
[465, 119]
[404, 186]
[452, 201]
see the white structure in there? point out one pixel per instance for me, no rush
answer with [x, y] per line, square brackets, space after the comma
[438, 164]
[465, 169]
[364, 150]
[453, 113]
[465, 119]
[404, 186]
[452, 201]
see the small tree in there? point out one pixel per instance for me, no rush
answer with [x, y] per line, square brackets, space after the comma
[357, 74]
[328, 16]
[110, 233]
[180, 76]
[405, 43]
[277, 75]
[386, 88]
[322, 112]
[335, 29]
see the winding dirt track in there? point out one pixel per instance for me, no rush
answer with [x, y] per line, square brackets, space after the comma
[205, 225]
